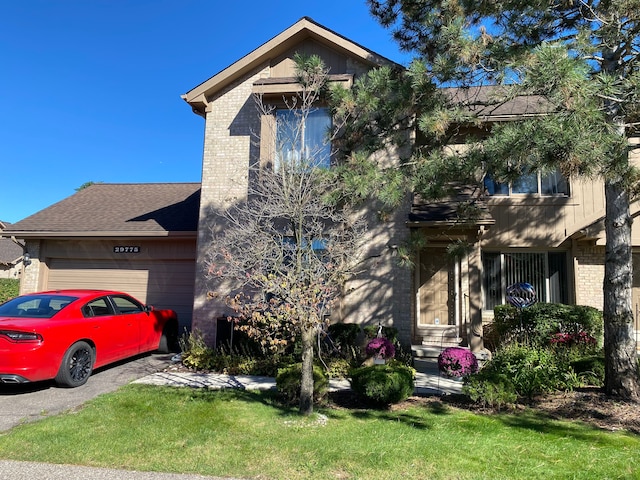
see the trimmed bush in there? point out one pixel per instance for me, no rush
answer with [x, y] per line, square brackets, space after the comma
[289, 380]
[537, 324]
[383, 384]
[344, 335]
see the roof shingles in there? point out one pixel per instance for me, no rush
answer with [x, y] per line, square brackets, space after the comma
[143, 208]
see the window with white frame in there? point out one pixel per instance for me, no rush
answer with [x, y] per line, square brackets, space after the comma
[553, 183]
[302, 138]
[546, 271]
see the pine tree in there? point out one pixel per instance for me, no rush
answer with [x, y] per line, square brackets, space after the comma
[579, 59]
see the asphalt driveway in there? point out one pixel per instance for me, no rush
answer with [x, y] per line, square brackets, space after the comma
[29, 402]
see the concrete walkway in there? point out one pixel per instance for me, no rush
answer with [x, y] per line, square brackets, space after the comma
[13, 470]
[428, 380]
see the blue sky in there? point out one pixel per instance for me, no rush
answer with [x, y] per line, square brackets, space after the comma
[90, 89]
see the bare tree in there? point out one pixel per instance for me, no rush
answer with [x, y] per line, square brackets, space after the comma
[286, 251]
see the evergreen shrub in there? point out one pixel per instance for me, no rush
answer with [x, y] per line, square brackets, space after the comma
[383, 384]
[289, 382]
[344, 335]
[537, 324]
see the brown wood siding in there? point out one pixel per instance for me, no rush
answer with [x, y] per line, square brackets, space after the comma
[285, 66]
[530, 221]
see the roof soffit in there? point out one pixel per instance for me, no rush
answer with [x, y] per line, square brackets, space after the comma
[304, 29]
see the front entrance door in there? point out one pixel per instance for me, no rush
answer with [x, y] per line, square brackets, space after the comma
[437, 315]
[435, 285]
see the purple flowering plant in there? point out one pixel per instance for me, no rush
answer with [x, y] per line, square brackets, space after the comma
[381, 347]
[457, 362]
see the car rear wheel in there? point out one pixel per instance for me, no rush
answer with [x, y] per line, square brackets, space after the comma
[77, 365]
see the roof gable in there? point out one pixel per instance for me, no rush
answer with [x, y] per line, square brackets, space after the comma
[301, 34]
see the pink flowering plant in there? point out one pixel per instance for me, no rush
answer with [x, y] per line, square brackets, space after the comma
[381, 347]
[457, 362]
[571, 339]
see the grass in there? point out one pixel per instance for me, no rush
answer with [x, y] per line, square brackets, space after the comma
[247, 434]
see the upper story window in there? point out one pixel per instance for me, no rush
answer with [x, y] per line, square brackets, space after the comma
[302, 139]
[529, 184]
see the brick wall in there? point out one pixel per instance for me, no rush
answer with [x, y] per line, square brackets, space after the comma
[29, 281]
[232, 122]
[381, 293]
[589, 276]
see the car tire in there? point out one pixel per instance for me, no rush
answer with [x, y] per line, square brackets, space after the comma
[169, 339]
[76, 366]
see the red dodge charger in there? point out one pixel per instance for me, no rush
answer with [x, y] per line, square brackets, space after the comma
[65, 334]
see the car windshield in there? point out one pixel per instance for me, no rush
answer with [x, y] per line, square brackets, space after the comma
[35, 306]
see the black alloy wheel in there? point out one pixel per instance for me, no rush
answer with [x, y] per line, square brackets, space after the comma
[77, 365]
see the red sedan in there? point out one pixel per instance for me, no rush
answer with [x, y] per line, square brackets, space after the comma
[65, 334]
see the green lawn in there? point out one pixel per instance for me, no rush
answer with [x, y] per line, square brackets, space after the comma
[247, 434]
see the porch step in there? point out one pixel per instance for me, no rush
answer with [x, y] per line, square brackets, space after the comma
[425, 351]
[441, 342]
[430, 353]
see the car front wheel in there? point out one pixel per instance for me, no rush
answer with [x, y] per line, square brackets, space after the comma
[77, 365]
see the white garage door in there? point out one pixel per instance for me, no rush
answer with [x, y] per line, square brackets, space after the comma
[163, 284]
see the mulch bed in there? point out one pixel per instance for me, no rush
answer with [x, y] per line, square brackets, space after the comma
[589, 405]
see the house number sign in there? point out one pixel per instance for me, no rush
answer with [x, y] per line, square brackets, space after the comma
[126, 249]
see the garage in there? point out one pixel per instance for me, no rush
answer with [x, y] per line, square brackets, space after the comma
[157, 272]
[163, 284]
[136, 238]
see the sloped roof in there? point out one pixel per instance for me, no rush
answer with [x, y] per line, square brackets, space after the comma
[305, 28]
[103, 209]
[10, 252]
[446, 211]
[492, 102]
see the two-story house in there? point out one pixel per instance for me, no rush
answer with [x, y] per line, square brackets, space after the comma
[543, 230]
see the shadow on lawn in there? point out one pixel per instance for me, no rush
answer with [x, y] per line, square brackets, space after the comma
[544, 423]
[412, 413]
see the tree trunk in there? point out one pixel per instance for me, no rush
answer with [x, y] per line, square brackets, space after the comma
[621, 361]
[306, 384]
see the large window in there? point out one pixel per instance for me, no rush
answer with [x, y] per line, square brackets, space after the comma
[546, 271]
[529, 184]
[303, 140]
